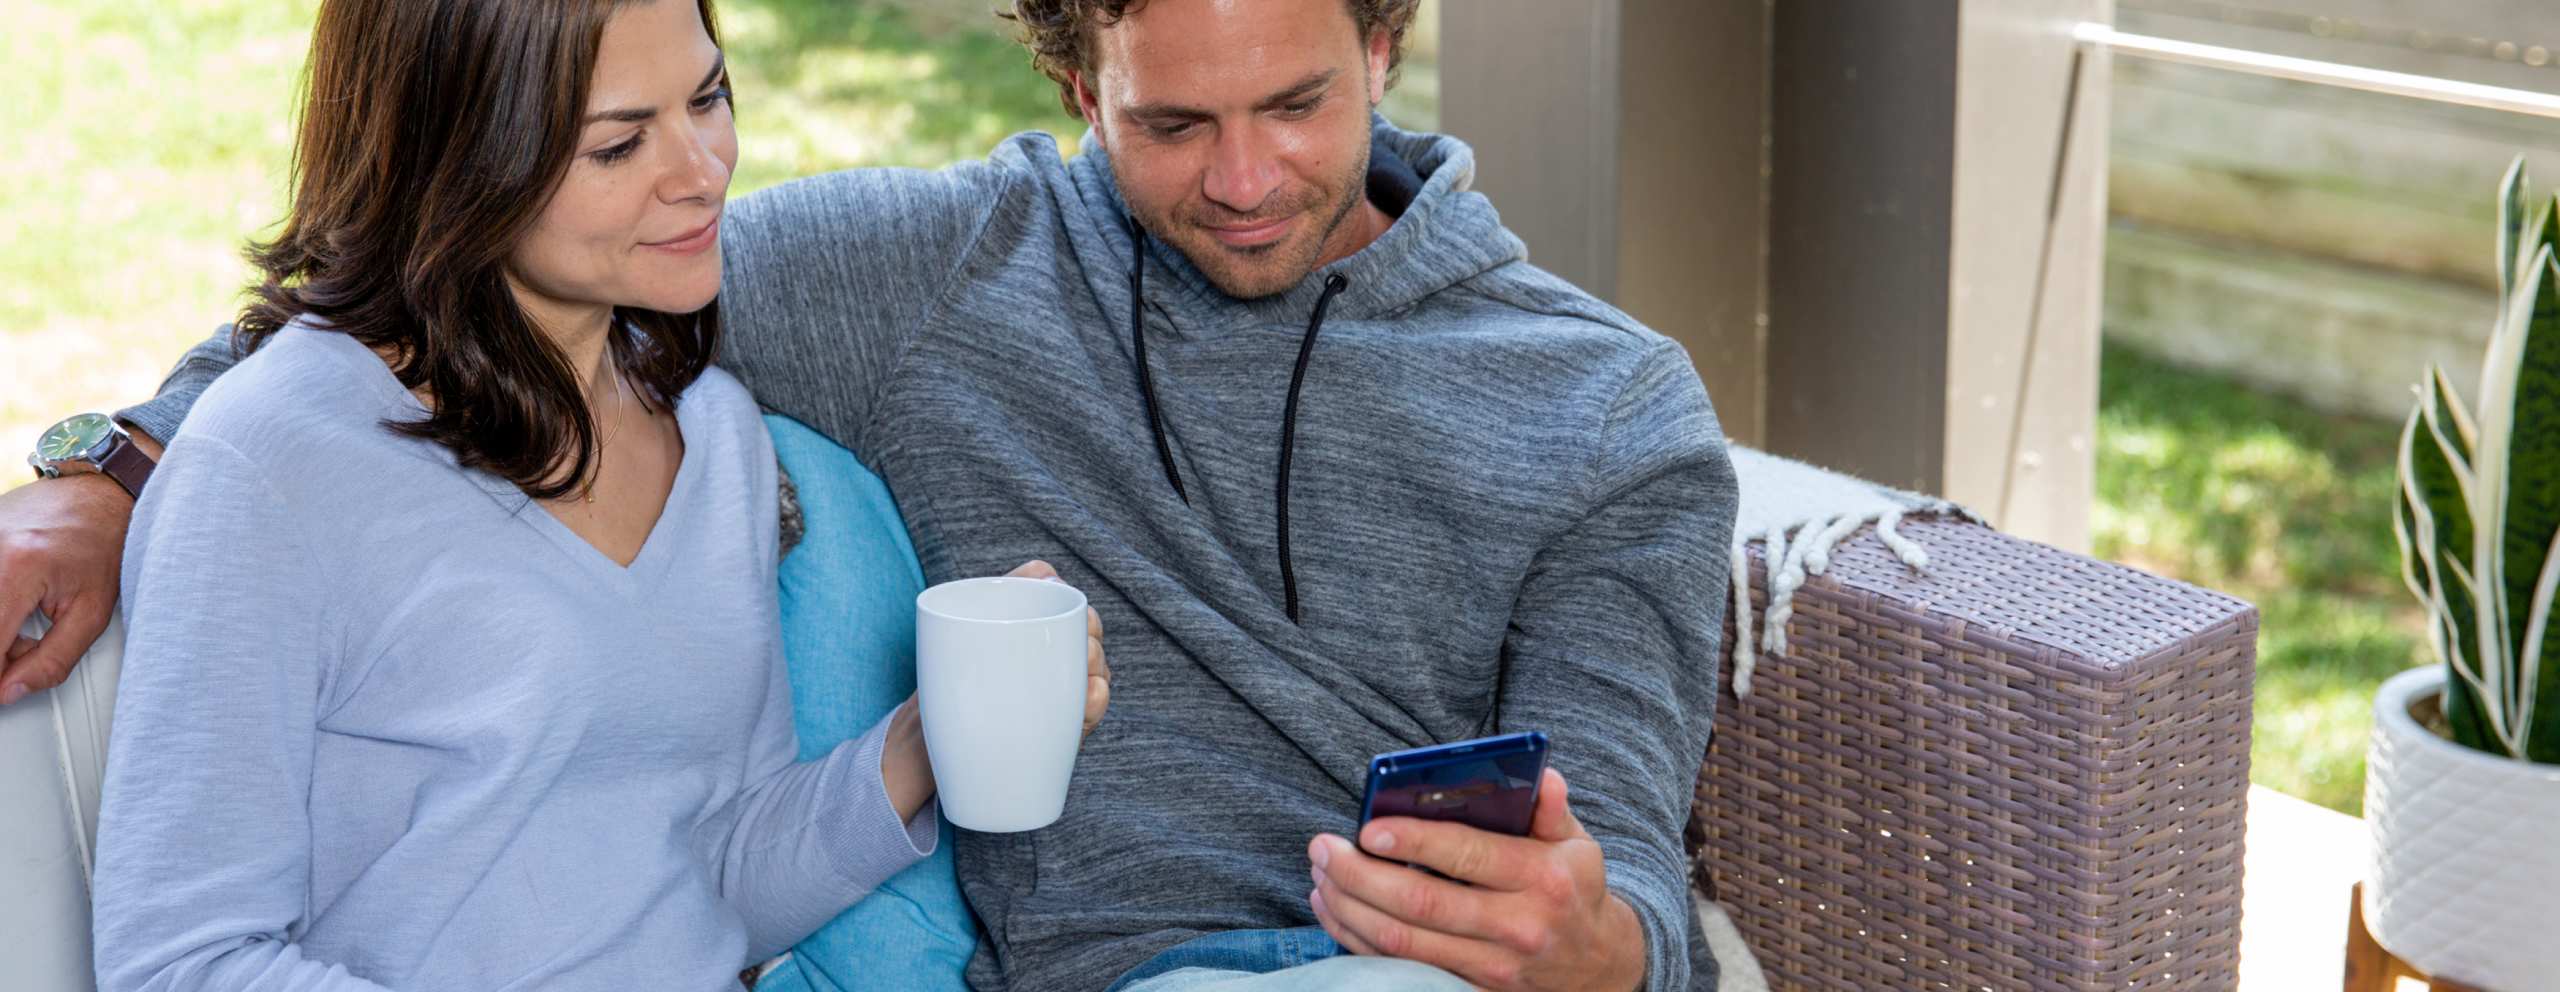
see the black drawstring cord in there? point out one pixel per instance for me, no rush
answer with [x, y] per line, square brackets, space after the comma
[1333, 286]
[1138, 339]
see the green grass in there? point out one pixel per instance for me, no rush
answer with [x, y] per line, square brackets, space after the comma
[148, 140]
[2205, 480]
[830, 84]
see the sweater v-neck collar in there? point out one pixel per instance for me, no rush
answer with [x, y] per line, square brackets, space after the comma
[649, 565]
[646, 568]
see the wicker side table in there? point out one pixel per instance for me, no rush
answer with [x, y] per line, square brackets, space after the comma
[2024, 769]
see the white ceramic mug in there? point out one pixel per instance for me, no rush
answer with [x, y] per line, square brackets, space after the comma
[1000, 681]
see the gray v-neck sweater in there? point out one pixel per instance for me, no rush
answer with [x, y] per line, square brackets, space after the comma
[1508, 506]
[384, 722]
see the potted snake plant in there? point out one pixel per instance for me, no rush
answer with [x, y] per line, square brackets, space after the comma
[2462, 787]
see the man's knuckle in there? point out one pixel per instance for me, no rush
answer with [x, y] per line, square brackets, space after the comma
[1553, 885]
[1420, 902]
[1521, 934]
[1472, 860]
[1392, 939]
[1500, 974]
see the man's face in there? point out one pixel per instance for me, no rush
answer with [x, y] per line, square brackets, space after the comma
[1239, 130]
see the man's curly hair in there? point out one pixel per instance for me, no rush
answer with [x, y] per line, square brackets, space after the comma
[1060, 34]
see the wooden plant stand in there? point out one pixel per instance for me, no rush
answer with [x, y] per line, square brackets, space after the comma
[2372, 969]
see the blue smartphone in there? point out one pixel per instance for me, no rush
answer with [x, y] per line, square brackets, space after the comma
[1490, 783]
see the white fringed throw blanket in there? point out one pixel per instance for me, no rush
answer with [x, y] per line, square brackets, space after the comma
[1801, 512]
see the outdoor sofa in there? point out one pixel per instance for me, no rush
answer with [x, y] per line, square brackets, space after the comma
[2016, 768]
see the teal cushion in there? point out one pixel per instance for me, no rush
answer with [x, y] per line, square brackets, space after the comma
[849, 630]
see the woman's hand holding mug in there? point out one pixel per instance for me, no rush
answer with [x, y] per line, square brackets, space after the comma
[906, 768]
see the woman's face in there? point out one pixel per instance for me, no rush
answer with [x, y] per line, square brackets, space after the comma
[636, 222]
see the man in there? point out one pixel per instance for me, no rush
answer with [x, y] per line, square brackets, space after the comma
[1350, 476]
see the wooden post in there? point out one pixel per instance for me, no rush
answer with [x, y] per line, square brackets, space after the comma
[1875, 224]
[1623, 140]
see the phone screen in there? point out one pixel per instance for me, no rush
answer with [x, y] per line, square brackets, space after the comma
[1490, 783]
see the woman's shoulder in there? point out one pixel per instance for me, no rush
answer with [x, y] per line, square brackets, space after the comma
[717, 401]
[303, 389]
[723, 424]
[302, 367]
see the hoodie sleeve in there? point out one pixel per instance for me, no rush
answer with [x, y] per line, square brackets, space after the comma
[1613, 647]
[161, 415]
[827, 279]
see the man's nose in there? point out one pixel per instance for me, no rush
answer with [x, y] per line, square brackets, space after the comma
[1244, 168]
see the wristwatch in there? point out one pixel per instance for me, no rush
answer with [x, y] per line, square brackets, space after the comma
[91, 442]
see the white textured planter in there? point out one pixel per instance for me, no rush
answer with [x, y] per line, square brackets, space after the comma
[2465, 881]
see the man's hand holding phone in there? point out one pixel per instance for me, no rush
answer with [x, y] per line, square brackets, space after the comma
[1535, 912]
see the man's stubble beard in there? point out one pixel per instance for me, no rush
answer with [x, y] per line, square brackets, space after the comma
[1231, 269]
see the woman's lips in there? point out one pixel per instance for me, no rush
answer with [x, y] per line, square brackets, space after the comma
[1247, 235]
[694, 241]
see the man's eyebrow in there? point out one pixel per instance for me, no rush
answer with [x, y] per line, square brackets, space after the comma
[719, 64]
[1313, 82]
[1305, 87]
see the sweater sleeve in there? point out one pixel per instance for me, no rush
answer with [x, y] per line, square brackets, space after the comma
[804, 840]
[825, 280]
[1613, 647]
[204, 842]
[161, 415]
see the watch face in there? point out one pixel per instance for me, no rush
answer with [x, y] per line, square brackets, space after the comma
[75, 437]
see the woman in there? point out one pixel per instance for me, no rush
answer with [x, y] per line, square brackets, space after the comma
[453, 654]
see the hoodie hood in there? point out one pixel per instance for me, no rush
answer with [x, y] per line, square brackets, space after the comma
[1448, 234]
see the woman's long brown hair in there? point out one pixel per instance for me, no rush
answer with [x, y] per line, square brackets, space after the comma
[433, 134]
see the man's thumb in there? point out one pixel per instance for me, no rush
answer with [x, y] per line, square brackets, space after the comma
[1554, 820]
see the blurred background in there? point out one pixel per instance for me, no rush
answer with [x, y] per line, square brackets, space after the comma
[2282, 259]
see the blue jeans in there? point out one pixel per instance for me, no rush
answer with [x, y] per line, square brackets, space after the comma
[1304, 959]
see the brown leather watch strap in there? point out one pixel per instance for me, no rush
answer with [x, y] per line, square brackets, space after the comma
[129, 467]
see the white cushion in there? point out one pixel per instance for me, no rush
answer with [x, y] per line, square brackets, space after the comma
[1740, 969]
[53, 751]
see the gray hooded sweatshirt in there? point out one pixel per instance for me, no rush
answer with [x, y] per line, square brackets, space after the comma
[1506, 508]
